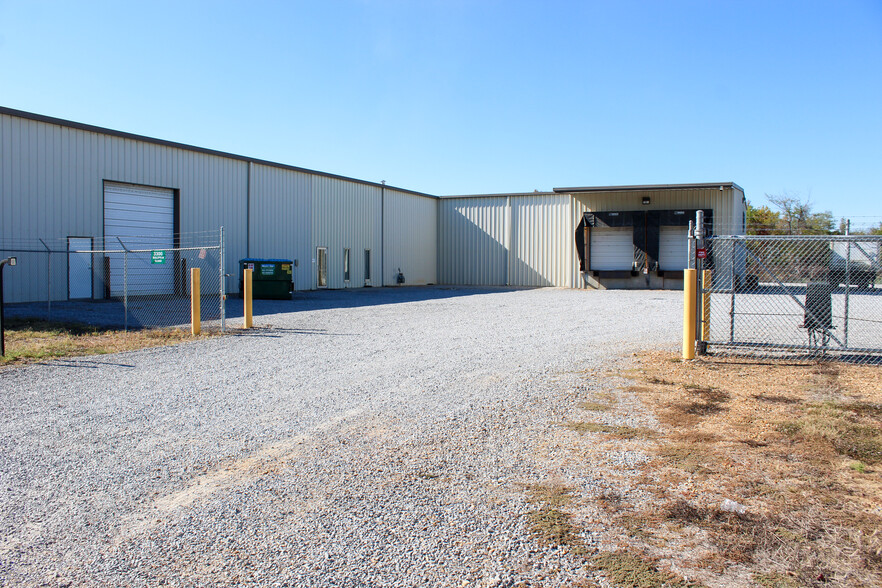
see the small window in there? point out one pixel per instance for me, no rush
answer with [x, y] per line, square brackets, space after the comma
[345, 265]
[367, 266]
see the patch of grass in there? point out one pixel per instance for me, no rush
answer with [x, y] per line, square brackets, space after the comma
[775, 580]
[852, 430]
[554, 527]
[776, 398]
[699, 409]
[696, 436]
[858, 466]
[683, 511]
[660, 381]
[594, 406]
[630, 570]
[607, 397]
[29, 341]
[688, 457]
[620, 431]
[711, 395]
[550, 494]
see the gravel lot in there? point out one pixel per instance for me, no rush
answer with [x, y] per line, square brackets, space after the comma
[377, 437]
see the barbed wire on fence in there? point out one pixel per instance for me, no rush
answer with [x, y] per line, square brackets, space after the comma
[134, 281]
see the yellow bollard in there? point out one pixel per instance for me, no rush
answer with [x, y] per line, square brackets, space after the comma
[690, 284]
[247, 296]
[195, 309]
[705, 304]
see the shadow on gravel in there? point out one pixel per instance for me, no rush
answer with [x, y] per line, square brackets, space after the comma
[85, 363]
[277, 332]
[176, 312]
[360, 297]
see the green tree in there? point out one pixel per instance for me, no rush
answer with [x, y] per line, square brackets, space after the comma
[763, 220]
[797, 217]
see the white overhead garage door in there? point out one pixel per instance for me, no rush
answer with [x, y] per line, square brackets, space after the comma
[142, 217]
[672, 245]
[612, 248]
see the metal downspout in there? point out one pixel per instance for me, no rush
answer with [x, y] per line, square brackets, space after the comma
[382, 233]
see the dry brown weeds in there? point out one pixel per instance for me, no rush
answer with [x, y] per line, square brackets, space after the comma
[798, 444]
[30, 341]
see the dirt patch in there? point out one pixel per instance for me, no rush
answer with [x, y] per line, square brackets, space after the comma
[770, 466]
[31, 341]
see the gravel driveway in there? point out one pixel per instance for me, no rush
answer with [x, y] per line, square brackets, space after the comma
[362, 438]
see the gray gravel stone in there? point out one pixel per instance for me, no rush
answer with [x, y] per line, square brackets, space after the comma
[364, 438]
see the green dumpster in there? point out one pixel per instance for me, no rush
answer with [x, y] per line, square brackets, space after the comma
[270, 278]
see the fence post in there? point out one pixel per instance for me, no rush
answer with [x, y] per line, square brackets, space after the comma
[706, 280]
[223, 285]
[699, 274]
[48, 281]
[125, 285]
[847, 283]
[690, 277]
[195, 310]
[247, 298]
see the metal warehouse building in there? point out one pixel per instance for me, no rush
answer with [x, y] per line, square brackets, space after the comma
[602, 237]
[65, 180]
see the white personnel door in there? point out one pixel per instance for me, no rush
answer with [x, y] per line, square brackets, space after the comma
[79, 268]
[612, 248]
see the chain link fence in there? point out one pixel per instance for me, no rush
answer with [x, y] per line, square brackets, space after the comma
[815, 297]
[129, 282]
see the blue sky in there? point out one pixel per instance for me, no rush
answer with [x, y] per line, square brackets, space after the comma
[454, 96]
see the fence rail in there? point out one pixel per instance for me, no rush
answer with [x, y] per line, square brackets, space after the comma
[129, 282]
[783, 295]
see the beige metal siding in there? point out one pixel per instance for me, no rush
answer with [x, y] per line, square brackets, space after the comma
[410, 235]
[718, 200]
[51, 187]
[542, 247]
[280, 219]
[507, 240]
[473, 241]
[346, 215]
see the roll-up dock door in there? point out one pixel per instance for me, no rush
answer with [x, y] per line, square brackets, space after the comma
[143, 218]
[672, 248]
[612, 248]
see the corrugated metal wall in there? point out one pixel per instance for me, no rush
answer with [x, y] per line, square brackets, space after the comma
[51, 187]
[542, 249]
[472, 241]
[280, 219]
[346, 215]
[410, 234]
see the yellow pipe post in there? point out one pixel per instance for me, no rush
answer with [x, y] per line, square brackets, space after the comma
[195, 309]
[247, 296]
[690, 285]
[705, 304]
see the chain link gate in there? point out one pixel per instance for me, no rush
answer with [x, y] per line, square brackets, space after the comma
[129, 282]
[813, 297]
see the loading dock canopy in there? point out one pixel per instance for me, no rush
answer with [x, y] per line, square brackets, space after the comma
[646, 231]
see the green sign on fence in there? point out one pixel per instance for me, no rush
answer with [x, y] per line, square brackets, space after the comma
[157, 257]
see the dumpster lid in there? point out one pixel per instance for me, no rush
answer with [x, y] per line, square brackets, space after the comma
[260, 260]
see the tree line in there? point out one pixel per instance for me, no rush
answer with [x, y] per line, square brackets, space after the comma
[795, 215]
